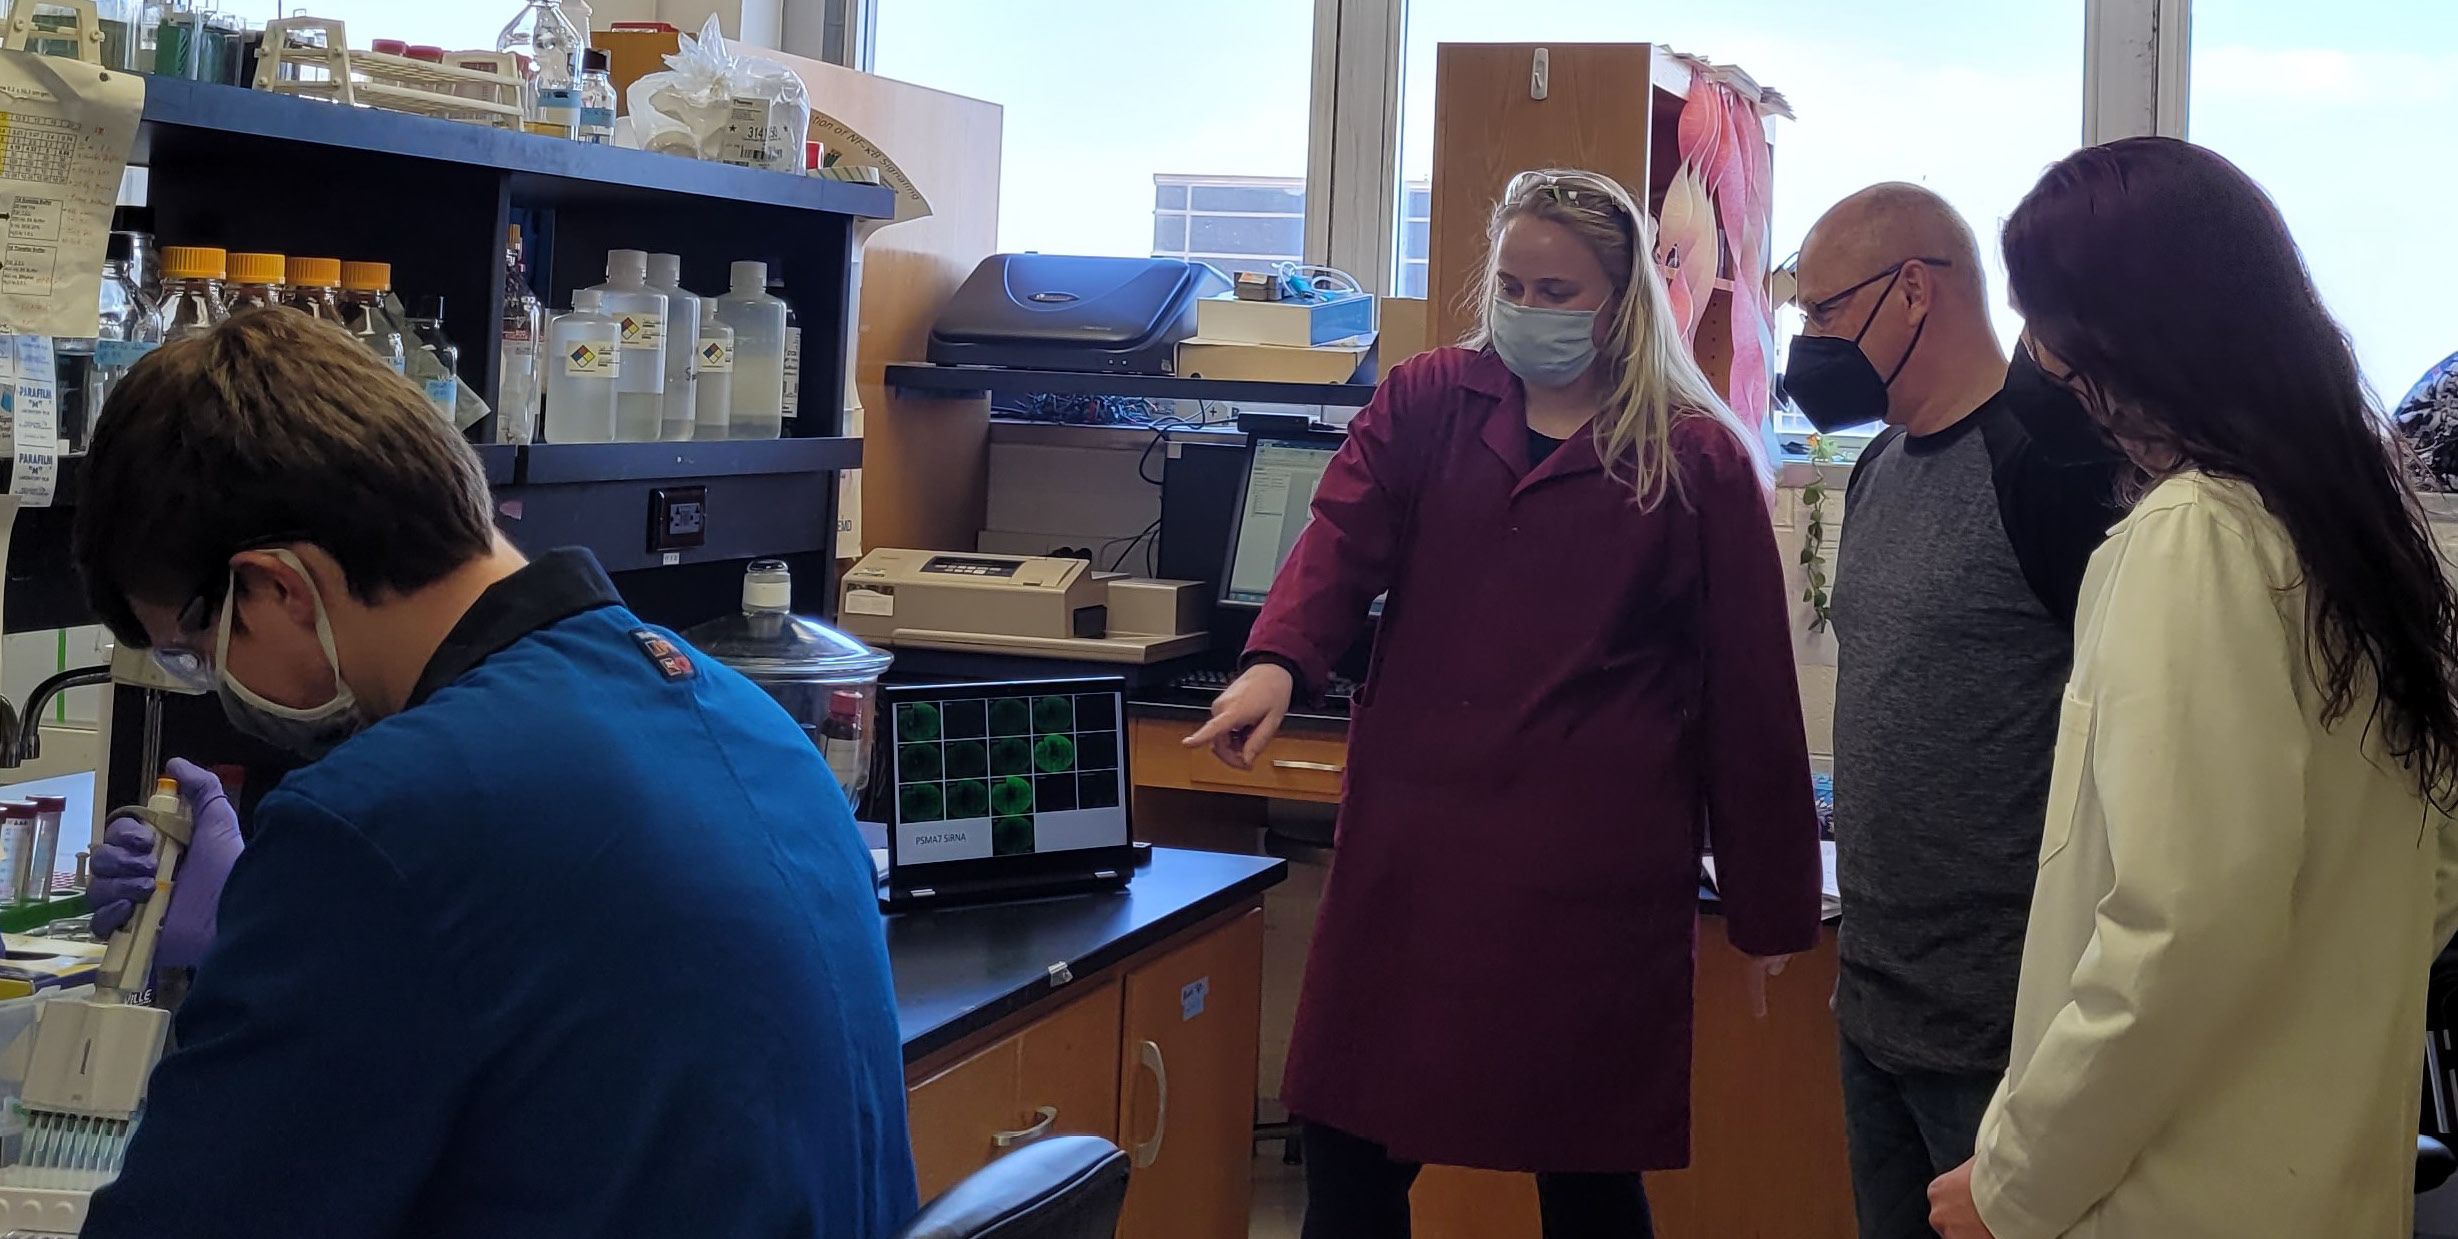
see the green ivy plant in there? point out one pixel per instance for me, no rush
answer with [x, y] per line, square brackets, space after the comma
[1813, 538]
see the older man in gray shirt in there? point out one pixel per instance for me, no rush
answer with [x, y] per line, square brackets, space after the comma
[1967, 525]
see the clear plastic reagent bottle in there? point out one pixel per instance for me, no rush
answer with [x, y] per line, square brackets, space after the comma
[640, 312]
[712, 403]
[586, 361]
[758, 320]
[674, 422]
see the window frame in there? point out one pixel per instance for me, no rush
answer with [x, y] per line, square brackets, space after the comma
[2136, 59]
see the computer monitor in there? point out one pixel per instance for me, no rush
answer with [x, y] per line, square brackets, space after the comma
[1275, 506]
[987, 777]
[1277, 501]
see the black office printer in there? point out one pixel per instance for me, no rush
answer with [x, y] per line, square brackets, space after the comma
[1073, 312]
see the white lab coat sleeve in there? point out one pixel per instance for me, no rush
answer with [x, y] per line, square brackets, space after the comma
[2196, 763]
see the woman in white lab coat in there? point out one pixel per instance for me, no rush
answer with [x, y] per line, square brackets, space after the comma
[2247, 864]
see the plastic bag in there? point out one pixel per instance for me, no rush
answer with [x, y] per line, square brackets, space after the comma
[714, 102]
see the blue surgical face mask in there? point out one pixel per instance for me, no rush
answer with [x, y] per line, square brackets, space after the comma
[311, 732]
[1545, 348]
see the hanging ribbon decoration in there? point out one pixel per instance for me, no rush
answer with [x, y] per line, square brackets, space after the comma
[1724, 188]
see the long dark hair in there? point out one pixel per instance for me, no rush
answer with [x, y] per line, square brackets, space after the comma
[2167, 279]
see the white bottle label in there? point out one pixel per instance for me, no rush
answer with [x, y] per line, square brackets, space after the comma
[641, 329]
[597, 125]
[716, 356]
[793, 371]
[591, 361]
[441, 393]
[399, 366]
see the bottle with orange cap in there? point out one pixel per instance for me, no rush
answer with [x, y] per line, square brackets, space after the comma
[312, 284]
[257, 281]
[363, 285]
[192, 278]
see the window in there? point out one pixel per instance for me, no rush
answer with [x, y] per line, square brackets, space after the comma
[1133, 127]
[1415, 249]
[2346, 122]
[454, 25]
[1971, 100]
[1235, 223]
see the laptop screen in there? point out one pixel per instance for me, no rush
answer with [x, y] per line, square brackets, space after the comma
[984, 771]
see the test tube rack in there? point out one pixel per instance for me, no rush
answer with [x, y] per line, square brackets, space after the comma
[311, 57]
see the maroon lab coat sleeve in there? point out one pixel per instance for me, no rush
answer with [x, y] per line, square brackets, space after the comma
[1345, 557]
[1762, 818]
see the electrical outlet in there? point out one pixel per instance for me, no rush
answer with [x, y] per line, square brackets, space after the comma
[678, 517]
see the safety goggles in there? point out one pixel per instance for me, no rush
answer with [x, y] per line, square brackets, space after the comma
[187, 663]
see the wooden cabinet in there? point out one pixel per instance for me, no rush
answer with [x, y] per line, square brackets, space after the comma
[1056, 1076]
[1157, 1054]
[1297, 765]
[1193, 1021]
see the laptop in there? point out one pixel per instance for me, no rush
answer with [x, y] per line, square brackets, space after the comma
[1004, 790]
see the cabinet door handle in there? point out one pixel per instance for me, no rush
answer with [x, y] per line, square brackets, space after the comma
[1149, 1151]
[1325, 767]
[1027, 1135]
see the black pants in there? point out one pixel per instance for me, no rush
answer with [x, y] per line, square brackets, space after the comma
[1354, 1190]
[1906, 1129]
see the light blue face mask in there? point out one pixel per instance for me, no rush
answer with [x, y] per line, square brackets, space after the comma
[1545, 348]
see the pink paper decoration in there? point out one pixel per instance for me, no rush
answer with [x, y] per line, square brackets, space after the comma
[1723, 138]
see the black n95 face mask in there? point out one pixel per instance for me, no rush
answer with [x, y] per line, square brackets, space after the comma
[1832, 381]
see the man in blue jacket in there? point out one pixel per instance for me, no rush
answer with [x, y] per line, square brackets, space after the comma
[565, 931]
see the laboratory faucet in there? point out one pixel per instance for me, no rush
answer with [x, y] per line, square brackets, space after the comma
[21, 735]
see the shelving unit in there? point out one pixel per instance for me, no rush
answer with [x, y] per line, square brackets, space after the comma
[253, 170]
[1002, 380]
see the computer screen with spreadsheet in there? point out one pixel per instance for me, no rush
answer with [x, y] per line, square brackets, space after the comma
[1281, 475]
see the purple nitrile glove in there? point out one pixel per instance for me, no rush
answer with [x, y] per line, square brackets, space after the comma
[123, 869]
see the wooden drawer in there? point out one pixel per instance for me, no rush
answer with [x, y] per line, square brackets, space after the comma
[1295, 766]
[1057, 1076]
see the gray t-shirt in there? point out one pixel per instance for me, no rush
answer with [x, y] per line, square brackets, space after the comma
[1956, 574]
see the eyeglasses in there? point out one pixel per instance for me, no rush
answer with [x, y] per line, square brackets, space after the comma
[1789, 272]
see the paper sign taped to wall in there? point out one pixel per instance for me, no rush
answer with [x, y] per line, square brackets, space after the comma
[66, 128]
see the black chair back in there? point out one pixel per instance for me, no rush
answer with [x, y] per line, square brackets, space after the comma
[1064, 1187]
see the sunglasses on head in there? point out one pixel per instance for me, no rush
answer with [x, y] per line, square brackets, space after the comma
[1574, 192]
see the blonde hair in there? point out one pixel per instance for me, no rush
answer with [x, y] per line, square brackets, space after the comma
[1656, 380]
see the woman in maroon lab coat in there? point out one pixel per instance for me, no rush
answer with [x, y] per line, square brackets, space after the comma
[1584, 672]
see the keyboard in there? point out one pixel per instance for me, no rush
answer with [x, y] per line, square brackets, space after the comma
[1212, 681]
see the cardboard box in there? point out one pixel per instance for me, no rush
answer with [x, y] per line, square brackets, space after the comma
[1299, 324]
[635, 50]
[1141, 606]
[1274, 363]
